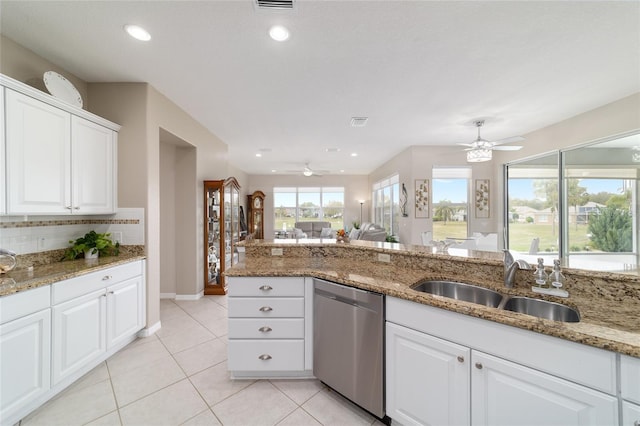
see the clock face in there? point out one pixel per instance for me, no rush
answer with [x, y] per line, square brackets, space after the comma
[257, 203]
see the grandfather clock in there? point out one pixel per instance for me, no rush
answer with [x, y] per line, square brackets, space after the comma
[256, 214]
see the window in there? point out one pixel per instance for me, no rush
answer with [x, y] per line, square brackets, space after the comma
[298, 204]
[386, 204]
[450, 202]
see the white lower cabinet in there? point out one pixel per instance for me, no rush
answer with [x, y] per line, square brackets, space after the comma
[52, 335]
[434, 381]
[25, 359]
[630, 414]
[427, 379]
[90, 324]
[270, 330]
[505, 393]
[78, 333]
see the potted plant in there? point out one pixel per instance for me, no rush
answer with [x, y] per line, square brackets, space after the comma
[92, 245]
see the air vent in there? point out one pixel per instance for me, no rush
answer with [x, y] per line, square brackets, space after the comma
[359, 121]
[275, 4]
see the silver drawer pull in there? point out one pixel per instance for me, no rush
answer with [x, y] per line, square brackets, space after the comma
[636, 423]
[264, 357]
[266, 309]
[460, 358]
[106, 278]
[264, 329]
[266, 287]
[478, 366]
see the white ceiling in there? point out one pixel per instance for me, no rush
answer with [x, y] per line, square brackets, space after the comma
[422, 71]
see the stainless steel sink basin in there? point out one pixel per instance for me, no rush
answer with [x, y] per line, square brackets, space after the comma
[542, 309]
[460, 291]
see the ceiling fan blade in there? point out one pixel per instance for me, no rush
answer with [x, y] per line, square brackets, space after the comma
[470, 145]
[507, 148]
[508, 140]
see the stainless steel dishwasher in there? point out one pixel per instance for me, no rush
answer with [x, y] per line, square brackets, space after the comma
[348, 343]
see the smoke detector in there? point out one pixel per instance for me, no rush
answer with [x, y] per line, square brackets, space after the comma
[359, 121]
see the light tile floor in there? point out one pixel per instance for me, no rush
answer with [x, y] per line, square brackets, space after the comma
[179, 377]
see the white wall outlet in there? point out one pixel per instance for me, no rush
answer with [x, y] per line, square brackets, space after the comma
[276, 252]
[117, 237]
[384, 257]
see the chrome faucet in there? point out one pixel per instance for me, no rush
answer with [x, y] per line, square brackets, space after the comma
[510, 267]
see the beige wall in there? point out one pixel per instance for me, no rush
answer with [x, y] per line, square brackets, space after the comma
[26, 66]
[355, 186]
[168, 177]
[416, 162]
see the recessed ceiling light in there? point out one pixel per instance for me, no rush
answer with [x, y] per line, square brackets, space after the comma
[342, 171]
[137, 32]
[258, 155]
[279, 33]
[273, 170]
[354, 154]
[332, 150]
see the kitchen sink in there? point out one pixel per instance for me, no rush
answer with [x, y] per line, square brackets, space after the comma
[460, 291]
[542, 309]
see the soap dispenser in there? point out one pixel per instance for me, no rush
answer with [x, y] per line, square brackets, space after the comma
[556, 278]
[540, 276]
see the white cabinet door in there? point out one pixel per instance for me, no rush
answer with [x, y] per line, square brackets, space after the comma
[504, 393]
[93, 149]
[38, 156]
[78, 333]
[124, 311]
[427, 379]
[630, 414]
[25, 361]
[3, 171]
[630, 378]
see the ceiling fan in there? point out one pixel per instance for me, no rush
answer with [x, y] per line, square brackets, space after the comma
[308, 171]
[481, 149]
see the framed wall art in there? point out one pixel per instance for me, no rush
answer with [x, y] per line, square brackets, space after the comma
[482, 198]
[422, 198]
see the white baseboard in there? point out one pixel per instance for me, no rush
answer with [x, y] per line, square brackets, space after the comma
[190, 296]
[167, 295]
[146, 332]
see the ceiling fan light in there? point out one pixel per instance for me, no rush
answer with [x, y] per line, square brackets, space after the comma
[479, 155]
[307, 172]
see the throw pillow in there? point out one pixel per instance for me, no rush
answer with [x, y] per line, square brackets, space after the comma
[297, 232]
[326, 233]
[354, 234]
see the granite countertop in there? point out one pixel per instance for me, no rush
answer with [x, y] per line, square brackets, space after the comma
[22, 278]
[603, 324]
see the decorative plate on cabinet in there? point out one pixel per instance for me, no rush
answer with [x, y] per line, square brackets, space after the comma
[62, 88]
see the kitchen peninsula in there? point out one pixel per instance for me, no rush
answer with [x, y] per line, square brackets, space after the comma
[607, 302]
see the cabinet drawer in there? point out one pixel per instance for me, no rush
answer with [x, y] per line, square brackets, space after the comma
[266, 307]
[266, 355]
[21, 304]
[267, 328]
[266, 286]
[630, 378]
[85, 284]
[630, 414]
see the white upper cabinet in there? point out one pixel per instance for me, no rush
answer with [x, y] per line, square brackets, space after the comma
[60, 160]
[38, 156]
[93, 165]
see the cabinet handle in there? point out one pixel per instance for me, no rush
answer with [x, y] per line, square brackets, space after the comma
[106, 278]
[76, 208]
[460, 358]
[67, 207]
[636, 423]
[264, 357]
[103, 295]
[266, 287]
[266, 309]
[265, 329]
[479, 365]
[111, 292]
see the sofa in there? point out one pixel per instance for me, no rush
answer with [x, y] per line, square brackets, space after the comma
[312, 229]
[369, 232]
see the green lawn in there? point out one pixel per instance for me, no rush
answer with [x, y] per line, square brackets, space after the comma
[521, 235]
